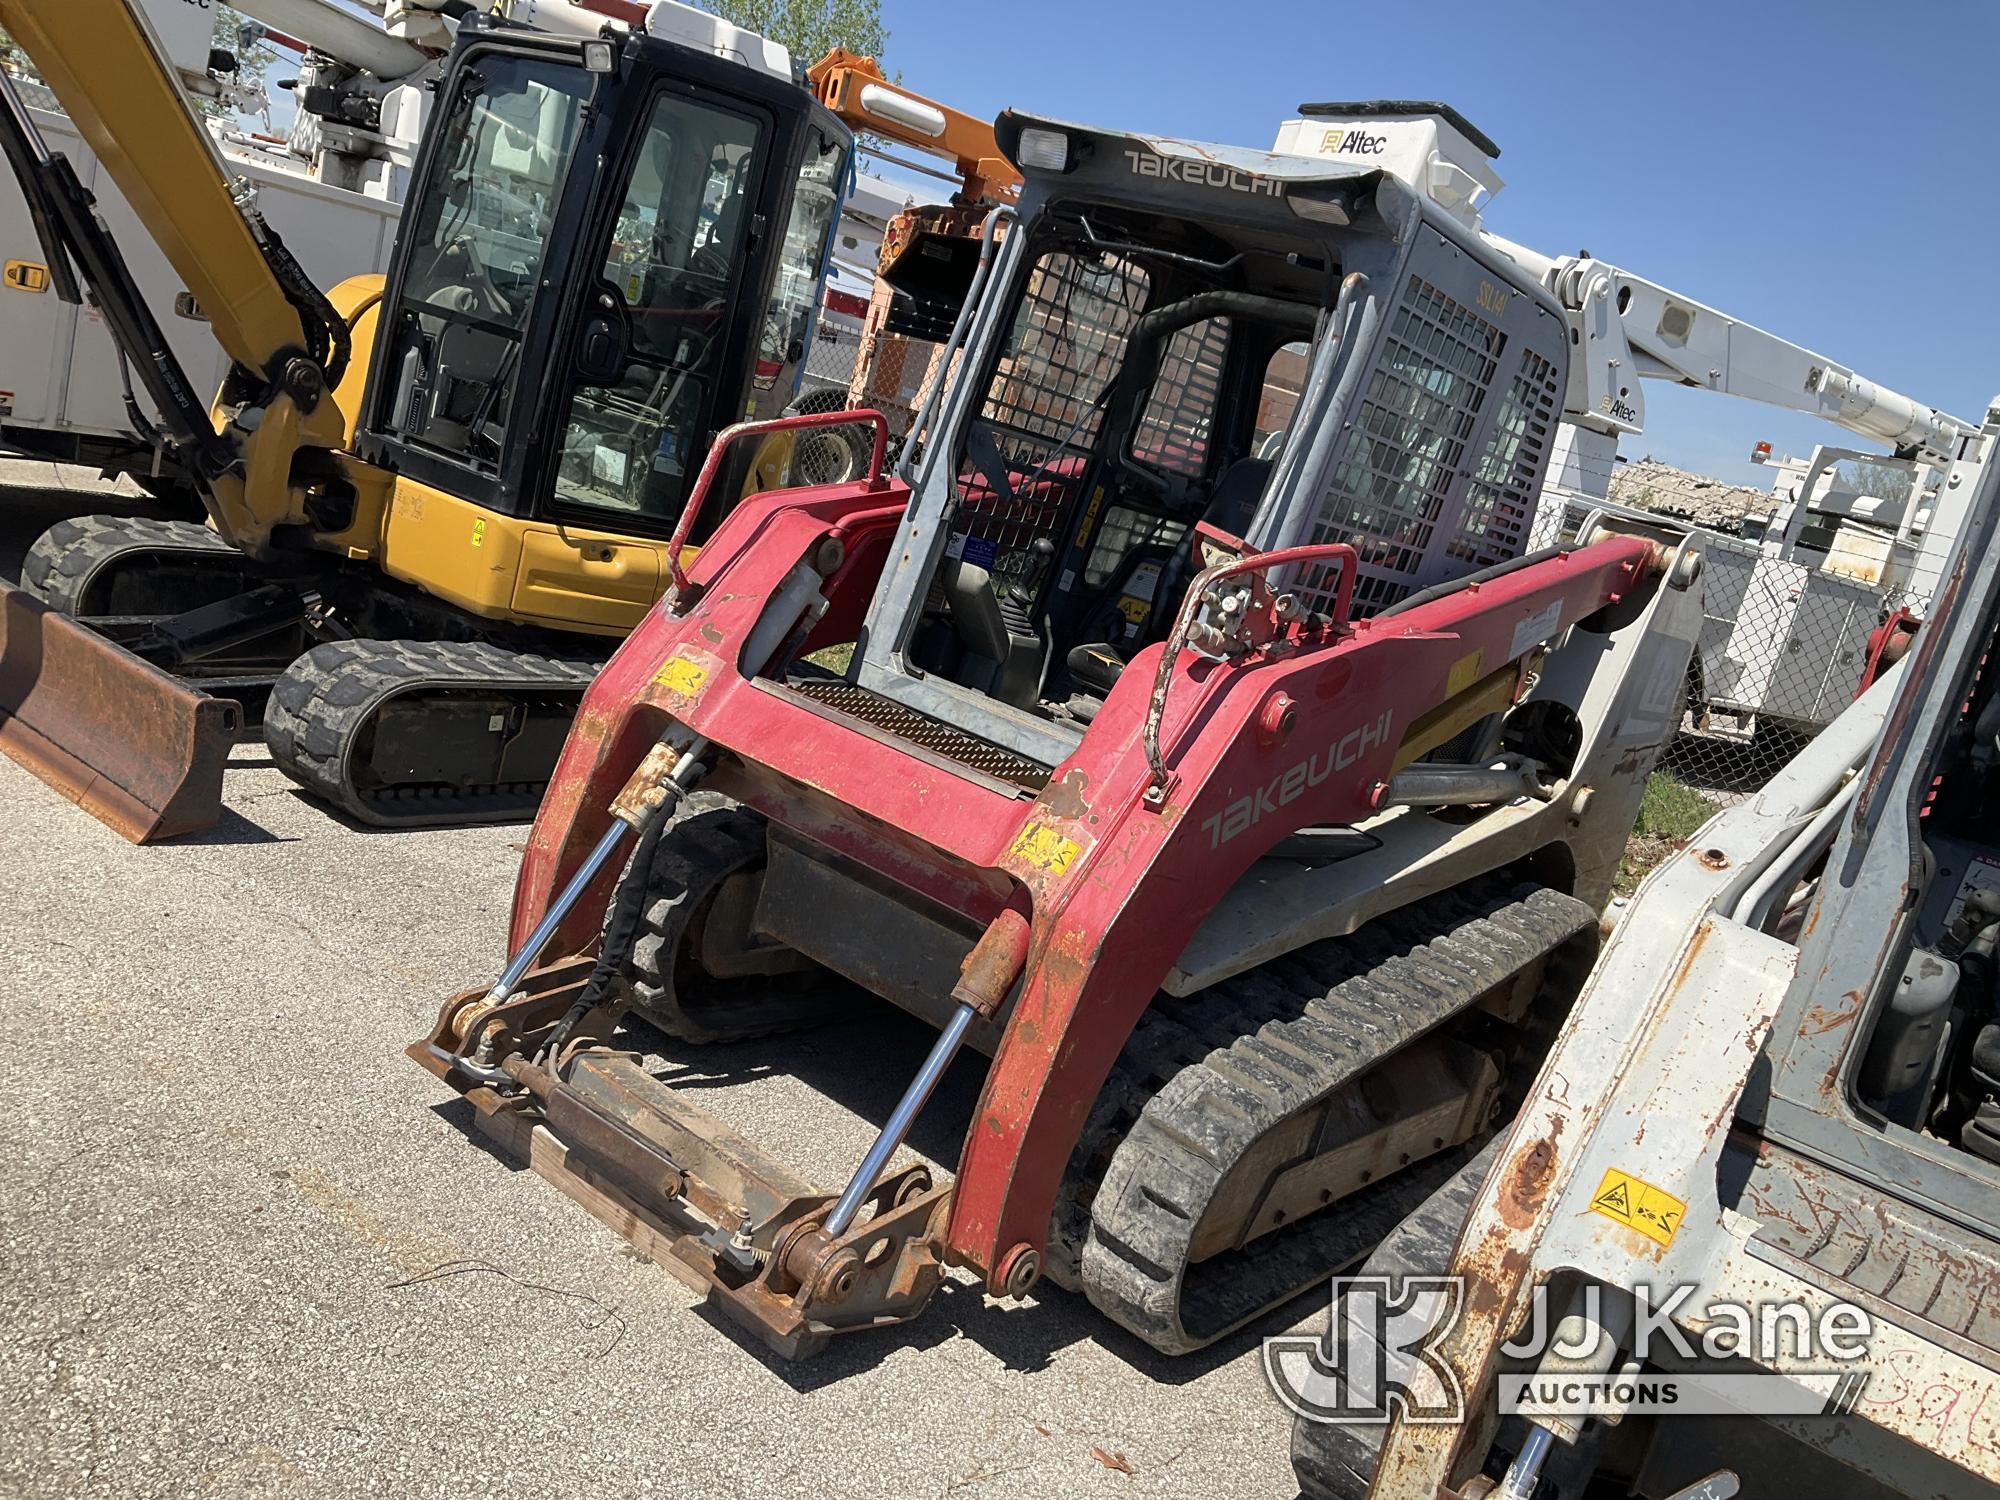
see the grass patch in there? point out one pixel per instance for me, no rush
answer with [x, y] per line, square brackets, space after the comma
[833, 658]
[1670, 812]
[1671, 808]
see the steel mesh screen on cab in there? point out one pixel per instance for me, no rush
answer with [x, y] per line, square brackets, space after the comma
[1047, 398]
[1394, 478]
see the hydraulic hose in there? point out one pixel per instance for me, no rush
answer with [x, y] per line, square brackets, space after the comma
[628, 905]
[328, 340]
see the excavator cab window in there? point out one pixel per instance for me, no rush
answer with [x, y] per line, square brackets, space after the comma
[669, 280]
[479, 228]
[802, 256]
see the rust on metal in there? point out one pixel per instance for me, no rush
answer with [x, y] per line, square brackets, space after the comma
[1820, 1019]
[703, 1201]
[1525, 1183]
[130, 745]
[647, 786]
[466, 1018]
[813, 1286]
[1713, 859]
[995, 962]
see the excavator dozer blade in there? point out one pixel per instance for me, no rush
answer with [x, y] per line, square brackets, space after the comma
[126, 742]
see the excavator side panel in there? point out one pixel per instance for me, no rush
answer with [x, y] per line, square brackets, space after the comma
[123, 740]
[519, 569]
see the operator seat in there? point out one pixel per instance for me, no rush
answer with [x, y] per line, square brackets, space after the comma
[1095, 665]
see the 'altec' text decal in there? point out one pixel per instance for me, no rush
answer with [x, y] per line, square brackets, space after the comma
[1292, 783]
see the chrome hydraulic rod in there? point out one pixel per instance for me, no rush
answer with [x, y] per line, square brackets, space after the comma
[676, 786]
[984, 980]
[798, 594]
[1526, 1469]
[907, 1109]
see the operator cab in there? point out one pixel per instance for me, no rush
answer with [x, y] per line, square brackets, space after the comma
[1185, 351]
[612, 249]
[1150, 369]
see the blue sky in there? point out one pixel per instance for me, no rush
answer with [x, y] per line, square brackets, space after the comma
[1822, 170]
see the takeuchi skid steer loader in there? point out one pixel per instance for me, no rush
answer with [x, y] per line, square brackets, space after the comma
[1252, 812]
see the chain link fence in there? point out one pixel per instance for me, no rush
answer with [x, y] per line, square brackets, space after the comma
[1784, 648]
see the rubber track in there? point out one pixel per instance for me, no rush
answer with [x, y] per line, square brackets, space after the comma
[710, 840]
[58, 568]
[1204, 1077]
[324, 700]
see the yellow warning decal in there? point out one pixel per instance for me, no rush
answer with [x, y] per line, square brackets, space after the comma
[681, 676]
[26, 276]
[1625, 1199]
[1464, 672]
[479, 533]
[1089, 517]
[1044, 848]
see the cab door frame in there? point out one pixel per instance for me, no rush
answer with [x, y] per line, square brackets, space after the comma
[654, 77]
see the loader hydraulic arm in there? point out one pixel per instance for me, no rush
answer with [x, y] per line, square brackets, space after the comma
[104, 65]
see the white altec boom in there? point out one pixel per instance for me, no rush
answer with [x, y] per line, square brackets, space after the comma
[1627, 328]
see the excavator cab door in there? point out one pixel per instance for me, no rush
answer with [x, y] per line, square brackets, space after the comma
[588, 271]
[480, 264]
[604, 347]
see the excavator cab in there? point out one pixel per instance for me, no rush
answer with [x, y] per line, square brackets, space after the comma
[612, 245]
[435, 499]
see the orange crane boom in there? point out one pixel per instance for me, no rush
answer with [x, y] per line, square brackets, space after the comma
[854, 88]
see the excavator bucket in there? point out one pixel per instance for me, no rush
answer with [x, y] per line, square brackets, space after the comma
[123, 740]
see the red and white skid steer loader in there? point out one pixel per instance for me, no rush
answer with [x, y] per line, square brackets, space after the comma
[1224, 771]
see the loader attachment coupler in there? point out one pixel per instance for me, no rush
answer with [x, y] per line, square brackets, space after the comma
[706, 1203]
[127, 743]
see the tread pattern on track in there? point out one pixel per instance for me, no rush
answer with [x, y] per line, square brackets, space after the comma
[59, 567]
[1206, 1076]
[321, 705]
[709, 840]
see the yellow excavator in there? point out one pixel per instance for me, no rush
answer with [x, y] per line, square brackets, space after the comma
[437, 498]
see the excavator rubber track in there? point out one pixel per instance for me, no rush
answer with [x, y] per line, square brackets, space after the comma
[414, 734]
[1205, 1078]
[87, 566]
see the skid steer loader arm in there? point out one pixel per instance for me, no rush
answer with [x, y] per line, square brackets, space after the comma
[137, 749]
